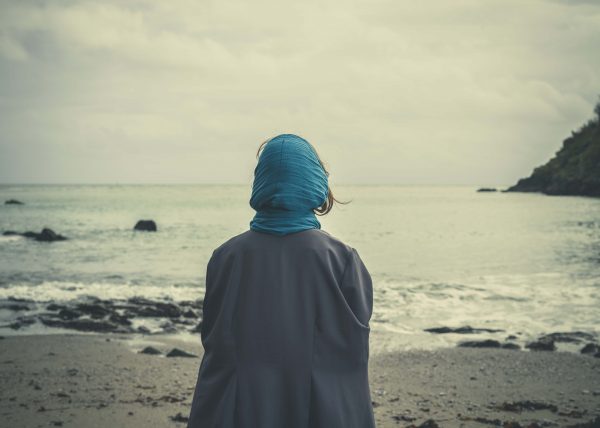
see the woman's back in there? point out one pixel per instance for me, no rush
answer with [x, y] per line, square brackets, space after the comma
[286, 334]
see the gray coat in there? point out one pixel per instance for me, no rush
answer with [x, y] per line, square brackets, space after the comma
[285, 334]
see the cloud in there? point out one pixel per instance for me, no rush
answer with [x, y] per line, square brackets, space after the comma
[389, 91]
[591, 3]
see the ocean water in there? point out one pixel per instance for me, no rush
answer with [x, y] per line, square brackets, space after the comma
[528, 264]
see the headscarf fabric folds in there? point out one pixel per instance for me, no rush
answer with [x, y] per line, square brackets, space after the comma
[289, 183]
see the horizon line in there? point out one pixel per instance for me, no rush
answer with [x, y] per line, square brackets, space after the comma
[239, 184]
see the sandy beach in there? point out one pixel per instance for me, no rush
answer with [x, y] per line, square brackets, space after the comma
[88, 380]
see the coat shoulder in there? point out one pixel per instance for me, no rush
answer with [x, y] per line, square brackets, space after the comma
[314, 238]
[334, 241]
[232, 242]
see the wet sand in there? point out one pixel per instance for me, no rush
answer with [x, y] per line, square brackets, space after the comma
[84, 380]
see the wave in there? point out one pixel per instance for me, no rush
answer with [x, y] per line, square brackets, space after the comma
[66, 290]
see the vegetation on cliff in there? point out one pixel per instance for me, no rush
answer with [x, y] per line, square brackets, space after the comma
[574, 170]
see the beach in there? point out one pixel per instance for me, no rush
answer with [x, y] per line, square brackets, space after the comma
[442, 160]
[102, 380]
[515, 276]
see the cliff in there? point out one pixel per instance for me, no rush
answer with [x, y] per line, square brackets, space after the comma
[574, 170]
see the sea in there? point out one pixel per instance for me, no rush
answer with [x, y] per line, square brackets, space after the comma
[523, 263]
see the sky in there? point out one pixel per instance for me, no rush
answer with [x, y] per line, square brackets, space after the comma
[461, 92]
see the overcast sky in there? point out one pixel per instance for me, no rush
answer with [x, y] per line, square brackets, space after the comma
[430, 92]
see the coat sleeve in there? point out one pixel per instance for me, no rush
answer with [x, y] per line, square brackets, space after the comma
[207, 308]
[357, 288]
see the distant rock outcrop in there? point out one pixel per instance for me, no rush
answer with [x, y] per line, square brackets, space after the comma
[145, 225]
[13, 202]
[574, 170]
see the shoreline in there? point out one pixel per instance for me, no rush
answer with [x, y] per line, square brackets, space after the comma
[145, 317]
[85, 380]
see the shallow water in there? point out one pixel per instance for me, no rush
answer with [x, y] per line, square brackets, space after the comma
[524, 263]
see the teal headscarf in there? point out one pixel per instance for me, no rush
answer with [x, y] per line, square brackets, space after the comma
[289, 182]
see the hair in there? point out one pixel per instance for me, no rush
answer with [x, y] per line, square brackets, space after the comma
[328, 204]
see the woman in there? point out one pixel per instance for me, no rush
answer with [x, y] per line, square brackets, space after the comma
[286, 317]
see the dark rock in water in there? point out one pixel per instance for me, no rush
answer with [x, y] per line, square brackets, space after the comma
[19, 299]
[158, 310]
[140, 301]
[198, 328]
[13, 202]
[574, 170]
[98, 315]
[168, 327]
[22, 321]
[573, 413]
[84, 325]
[542, 344]
[489, 343]
[196, 304]
[183, 321]
[511, 337]
[467, 329]
[94, 310]
[146, 311]
[170, 310]
[179, 418]
[190, 314]
[594, 423]
[145, 225]
[547, 341]
[590, 348]
[149, 350]
[119, 319]
[69, 314]
[569, 337]
[17, 307]
[140, 306]
[176, 352]
[487, 189]
[46, 235]
[510, 346]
